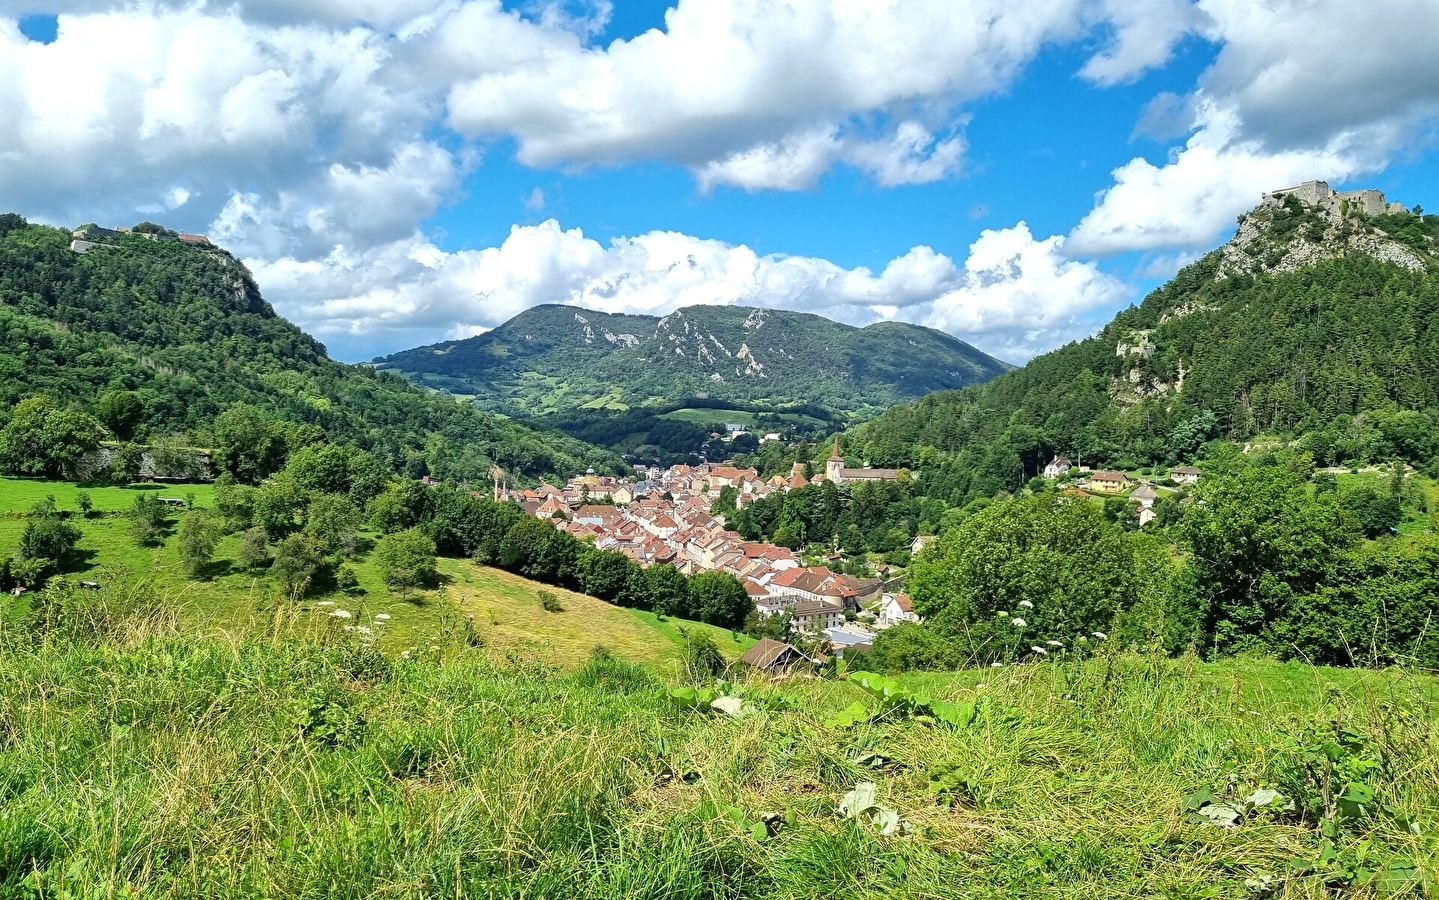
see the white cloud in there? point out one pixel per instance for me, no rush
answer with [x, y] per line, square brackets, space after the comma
[1322, 89]
[756, 93]
[1195, 196]
[1014, 295]
[1020, 296]
[1144, 35]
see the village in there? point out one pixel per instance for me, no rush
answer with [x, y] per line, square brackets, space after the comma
[664, 517]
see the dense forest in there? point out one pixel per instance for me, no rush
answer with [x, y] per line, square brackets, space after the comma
[1342, 357]
[185, 330]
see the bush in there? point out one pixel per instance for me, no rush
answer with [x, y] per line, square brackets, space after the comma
[549, 601]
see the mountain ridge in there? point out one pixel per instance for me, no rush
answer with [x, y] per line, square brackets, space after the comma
[1327, 336]
[730, 352]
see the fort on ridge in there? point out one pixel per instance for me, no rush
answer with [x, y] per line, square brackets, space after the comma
[1320, 194]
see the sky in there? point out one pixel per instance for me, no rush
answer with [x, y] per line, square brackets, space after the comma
[402, 172]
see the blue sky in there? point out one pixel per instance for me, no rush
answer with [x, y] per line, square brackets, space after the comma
[398, 172]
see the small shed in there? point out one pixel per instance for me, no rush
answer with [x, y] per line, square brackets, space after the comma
[772, 656]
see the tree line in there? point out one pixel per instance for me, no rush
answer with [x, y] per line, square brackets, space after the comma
[1272, 559]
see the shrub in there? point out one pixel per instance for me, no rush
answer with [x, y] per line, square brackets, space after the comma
[549, 601]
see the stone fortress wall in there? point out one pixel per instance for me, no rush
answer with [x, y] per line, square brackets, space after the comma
[1319, 194]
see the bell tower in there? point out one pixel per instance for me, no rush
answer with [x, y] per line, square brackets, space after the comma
[835, 464]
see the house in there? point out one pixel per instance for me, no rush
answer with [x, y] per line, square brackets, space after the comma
[894, 609]
[1146, 495]
[773, 656]
[1057, 467]
[1184, 475]
[1147, 515]
[916, 546]
[621, 496]
[194, 238]
[1107, 482]
[814, 616]
[552, 504]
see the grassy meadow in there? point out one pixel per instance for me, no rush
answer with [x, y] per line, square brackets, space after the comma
[138, 761]
[165, 737]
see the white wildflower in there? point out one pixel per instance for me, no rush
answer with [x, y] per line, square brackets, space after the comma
[349, 628]
[1018, 622]
[981, 686]
[404, 654]
[996, 665]
[1026, 604]
[383, 617]
[1101, 635]
[1040, 650]
[340, 613]
[1054, 643]
[362, 629]
[326, 603]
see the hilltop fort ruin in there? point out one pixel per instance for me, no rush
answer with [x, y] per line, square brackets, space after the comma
[1320, 195]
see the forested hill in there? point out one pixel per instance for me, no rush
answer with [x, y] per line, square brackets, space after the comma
[553, 358]
[185, 327]
[1316, 325]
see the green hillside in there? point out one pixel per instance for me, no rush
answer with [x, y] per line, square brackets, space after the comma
[557, 358]
[185, 328]
[1340, 354]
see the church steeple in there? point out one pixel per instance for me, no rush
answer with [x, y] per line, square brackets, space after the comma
[832, 469]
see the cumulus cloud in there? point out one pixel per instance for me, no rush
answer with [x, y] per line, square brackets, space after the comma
[1195, 196]
[1020, 296]
[757, 94]
[1300, 89]
[1013, 296]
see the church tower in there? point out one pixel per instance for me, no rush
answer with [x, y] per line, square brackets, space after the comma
[835, 464]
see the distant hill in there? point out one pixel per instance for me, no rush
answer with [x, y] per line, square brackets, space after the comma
[184, 325]
[1317, 323]
[555, 358]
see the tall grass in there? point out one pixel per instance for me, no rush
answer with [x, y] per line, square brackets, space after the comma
[138, 761]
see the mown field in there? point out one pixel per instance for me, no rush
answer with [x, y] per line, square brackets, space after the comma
[507, 612]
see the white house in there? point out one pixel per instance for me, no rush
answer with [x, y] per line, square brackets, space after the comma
[1057, 467]
[1184, 475]
[1145, 495]
[894, 609]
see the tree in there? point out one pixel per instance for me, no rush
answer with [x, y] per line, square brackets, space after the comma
[123, 412]
[198, 538]
[45, 439]
[1025, 571]
[669, 591]
[333, 520]
[536, 549]
[235, 502]
[406, 560]
[148, 519]
[717, 598]
[278, 503]
[908, 647]
[85, 503]
[1257, 541]
[248, 443]
[1375, 513]
[299, 564]
[253, 552]
[48, 538]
